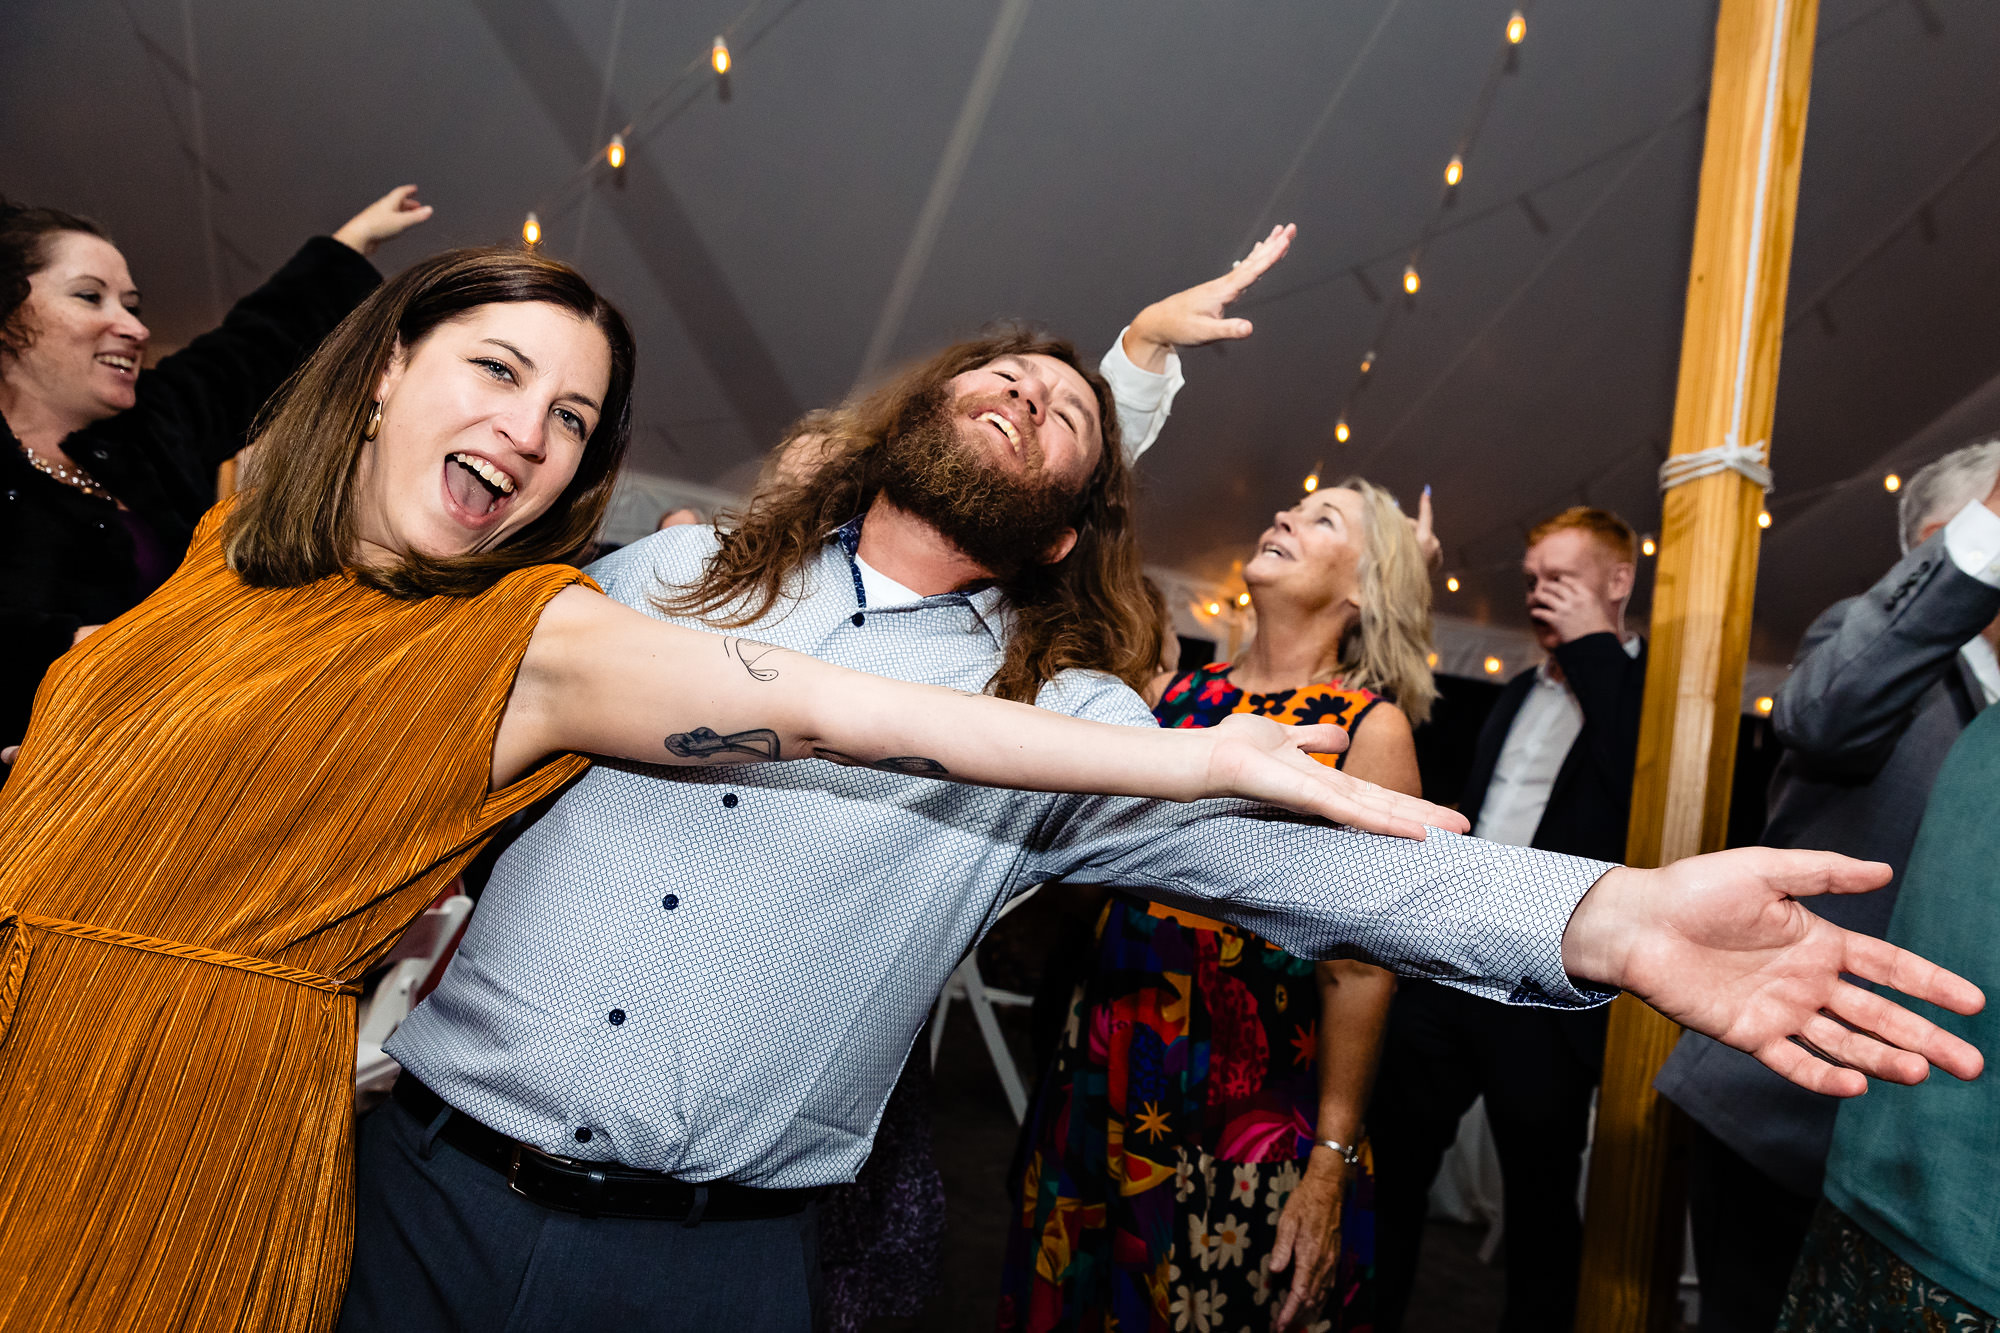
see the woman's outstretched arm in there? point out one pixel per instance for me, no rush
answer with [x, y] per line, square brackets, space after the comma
[601, 678]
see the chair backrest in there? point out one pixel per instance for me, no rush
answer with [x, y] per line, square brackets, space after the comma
[411, 963]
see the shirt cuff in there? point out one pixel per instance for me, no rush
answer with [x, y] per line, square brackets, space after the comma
[1516, 886]
[1973, 541]
[1143, 397]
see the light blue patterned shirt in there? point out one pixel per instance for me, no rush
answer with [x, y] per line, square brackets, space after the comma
[718, 973]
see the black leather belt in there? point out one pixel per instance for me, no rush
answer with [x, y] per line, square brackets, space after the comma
[595, 1189]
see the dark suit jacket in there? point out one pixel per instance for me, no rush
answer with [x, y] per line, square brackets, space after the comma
[1874, 702]
[1591, 801]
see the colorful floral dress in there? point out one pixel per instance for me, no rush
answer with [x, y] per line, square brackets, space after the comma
[1180, 1110]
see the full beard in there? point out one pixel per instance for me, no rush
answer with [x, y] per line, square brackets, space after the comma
[1002, 522]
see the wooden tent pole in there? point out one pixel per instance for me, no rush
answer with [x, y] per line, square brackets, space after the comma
[1701, 615]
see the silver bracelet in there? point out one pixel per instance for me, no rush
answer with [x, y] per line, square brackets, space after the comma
[1351, 1154]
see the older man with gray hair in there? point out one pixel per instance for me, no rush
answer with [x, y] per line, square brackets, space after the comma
[1881, 688]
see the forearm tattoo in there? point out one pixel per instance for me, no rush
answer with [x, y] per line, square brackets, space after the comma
[705, 743]
[750, 654]
[913, 765]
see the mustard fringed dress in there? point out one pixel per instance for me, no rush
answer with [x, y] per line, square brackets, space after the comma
[230, 803]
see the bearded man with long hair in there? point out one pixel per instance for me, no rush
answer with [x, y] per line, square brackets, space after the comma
[680, 1009]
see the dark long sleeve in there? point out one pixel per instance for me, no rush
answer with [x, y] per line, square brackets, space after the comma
[30, 641]
[1609, 686]
[1867, 661]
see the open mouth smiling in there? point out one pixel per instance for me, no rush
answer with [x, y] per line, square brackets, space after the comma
[124, 365]
[476, 486]
[1004, 426]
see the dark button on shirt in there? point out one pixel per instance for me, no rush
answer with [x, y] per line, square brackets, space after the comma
[583, 1135]
[729, 800]
[617, 1017]
[671, 901]
[858, 618]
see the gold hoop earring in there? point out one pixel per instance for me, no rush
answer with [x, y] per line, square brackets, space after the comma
[374, 424]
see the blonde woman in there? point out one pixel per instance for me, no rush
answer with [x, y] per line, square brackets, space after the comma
[1196, 1156]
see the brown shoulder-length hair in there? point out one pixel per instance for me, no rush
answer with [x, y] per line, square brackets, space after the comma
[1087, 610]
[25, 233]
[295, 524]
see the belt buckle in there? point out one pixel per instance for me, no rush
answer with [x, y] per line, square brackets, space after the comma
[514, 1165]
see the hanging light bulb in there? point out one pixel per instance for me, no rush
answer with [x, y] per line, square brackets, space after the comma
[1368, 362]
[718, 56]
[1451, 584]
[1243, 599]
[1763, 518]
[1493, 665]
[1431, 661]
[1892, 483]
[615, 154]
[1215, 608]
[1766, 704]
[1340, 430]
[1517, 28]
[1410, 279]
[1454, 170]
[531, 231]
[1312, 482]
[1648, 547]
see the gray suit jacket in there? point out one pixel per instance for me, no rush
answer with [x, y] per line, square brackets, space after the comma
[1874, 702]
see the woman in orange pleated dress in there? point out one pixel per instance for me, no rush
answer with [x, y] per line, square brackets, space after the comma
[231, 800]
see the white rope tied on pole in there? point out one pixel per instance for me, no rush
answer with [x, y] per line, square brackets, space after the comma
[1749, 460]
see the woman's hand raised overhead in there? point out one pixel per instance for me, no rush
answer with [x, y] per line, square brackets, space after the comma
[384, 220]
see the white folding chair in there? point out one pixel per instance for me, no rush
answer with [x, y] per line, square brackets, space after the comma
[410, 964]
[966, 984]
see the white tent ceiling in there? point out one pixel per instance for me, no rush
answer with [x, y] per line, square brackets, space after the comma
[1129, 147]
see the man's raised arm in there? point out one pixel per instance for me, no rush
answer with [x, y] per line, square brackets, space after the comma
[1142, 367]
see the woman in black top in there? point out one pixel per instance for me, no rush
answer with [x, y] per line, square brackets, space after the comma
[104, 471]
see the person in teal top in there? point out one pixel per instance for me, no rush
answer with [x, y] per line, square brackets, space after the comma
[1908, 1234]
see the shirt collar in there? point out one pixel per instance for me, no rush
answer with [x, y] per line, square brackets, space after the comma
[989, 603]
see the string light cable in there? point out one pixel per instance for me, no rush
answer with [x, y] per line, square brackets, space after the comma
[714, 62]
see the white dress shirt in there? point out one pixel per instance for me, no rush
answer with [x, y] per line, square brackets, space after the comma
[1144, 398]
[1537, 743]
[1972, 539]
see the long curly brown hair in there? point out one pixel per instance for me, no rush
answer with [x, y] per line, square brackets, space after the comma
[1088, 610]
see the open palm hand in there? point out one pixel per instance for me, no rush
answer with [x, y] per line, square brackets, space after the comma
[1719, 944]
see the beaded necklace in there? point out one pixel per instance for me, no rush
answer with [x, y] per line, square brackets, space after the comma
[67, 474]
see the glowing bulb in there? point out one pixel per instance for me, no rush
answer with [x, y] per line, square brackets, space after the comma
[1649, 547]
[615, 154]
[1368, 363]
[1312, 482]
[1892, 483]
[1763, 518]
[1766, 704]
[1454, 170]
[1431, 661]
[1410, 280]
[1243, 599]
[1215, 608]
[718, 56]
[1493, 665]
[1517, 28]
[1340, 430]
[1451, 584]
[531, 231]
